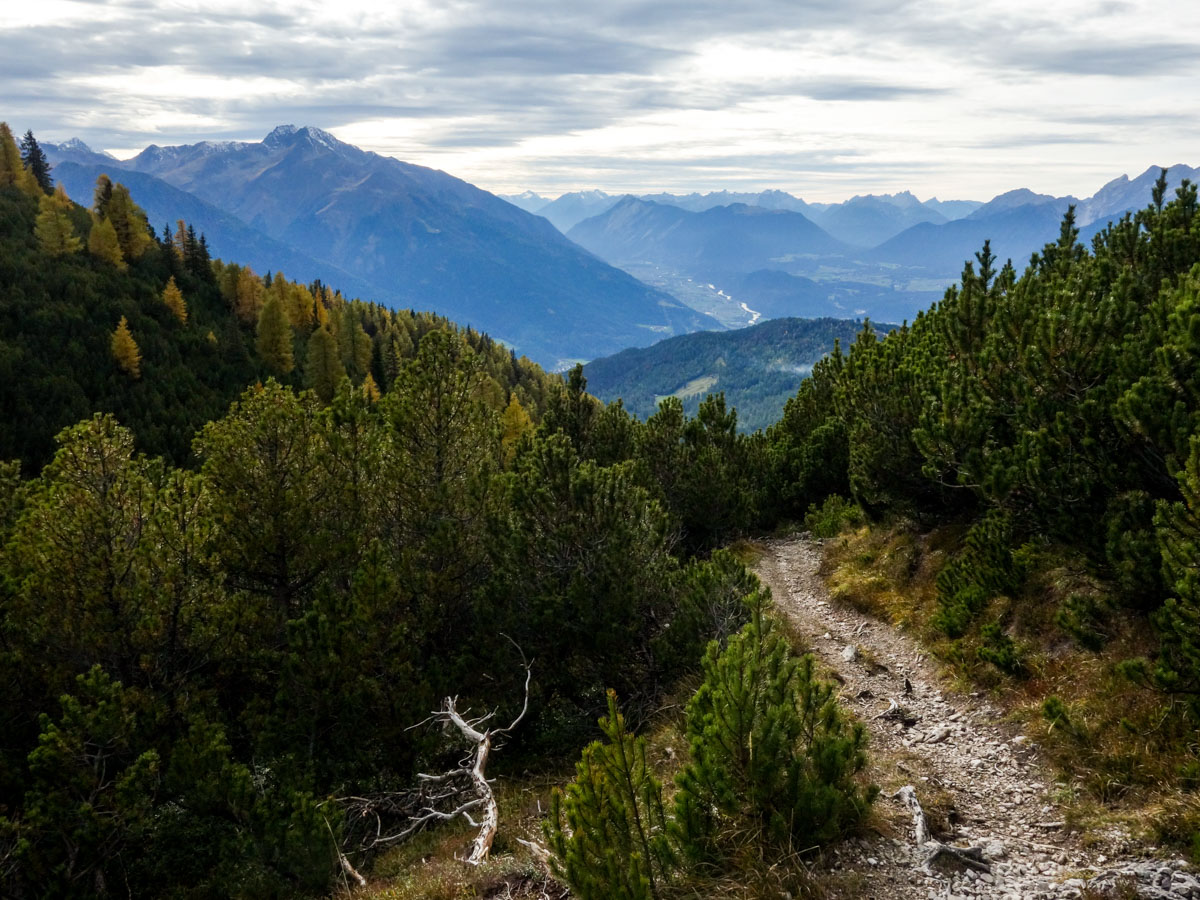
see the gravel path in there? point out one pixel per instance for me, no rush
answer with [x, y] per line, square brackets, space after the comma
[982, 783]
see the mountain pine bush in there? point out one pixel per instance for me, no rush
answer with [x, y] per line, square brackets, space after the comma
[608, 831]
[774, 759]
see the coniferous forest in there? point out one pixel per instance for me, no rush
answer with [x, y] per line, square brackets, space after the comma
[252, 532]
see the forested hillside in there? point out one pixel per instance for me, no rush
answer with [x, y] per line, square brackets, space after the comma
[424, 239]
[65, 293]
[757, 368]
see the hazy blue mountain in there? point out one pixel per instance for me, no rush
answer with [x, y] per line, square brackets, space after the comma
[758, 368]
[700, 202]
[428, 240]
[228, 237]
[867, 221]
[953, 209]
[526, 200]
[1122, 195]
[737, 238]
[1015, 233]
[570, 209]
[1016, 199]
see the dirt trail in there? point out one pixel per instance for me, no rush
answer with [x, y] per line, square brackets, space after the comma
[959, 755]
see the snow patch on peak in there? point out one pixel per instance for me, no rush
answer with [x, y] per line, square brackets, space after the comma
[319, 136]
[220, 146]
[285, 135]
[76, 145]
[279, 133]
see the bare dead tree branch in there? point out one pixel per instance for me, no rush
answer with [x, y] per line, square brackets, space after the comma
[428, 802]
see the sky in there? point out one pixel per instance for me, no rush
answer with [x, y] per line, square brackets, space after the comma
[822, 98]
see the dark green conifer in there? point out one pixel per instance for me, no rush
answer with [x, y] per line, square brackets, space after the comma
[34, 159]
[608, 831]
[774, 759]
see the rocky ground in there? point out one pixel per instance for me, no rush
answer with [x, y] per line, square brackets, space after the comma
[981, 783]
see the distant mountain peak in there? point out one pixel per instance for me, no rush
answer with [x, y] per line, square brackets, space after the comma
[593, 194]
[77, 150]
[75, 145]
[279, 132]
[286, 135]
[903, 200]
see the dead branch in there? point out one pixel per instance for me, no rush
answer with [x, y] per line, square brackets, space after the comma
[971, 857]
[347, 869]
[440, 797]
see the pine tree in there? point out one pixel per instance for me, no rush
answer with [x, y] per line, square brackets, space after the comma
[54, 230]
[571, 410]
[103, 243]
[608, 832]
[772, 754]
[323, 365]
[125, 350]
[34, 159]
[274, 342]
[102, 196]
[1178, 524]
[173, 298]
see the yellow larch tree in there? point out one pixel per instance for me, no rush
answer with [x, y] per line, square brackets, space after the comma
[248, 300]
[514, 424]
[12, 170]
[125, 350]
[370, 389]
[172, 296]
[103, 243]
[54, 229]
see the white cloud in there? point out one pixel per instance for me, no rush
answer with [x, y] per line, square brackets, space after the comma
[821, 97]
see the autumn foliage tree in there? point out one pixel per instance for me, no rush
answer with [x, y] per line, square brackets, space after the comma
[125, 350]
[12, 167]
[103, 243]
[172, 298]
[54, 229]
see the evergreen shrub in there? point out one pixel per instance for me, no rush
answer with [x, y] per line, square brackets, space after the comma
[830, 518]
[773, 758]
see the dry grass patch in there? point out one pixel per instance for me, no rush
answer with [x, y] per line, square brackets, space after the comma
[884, 571]
[747, 552]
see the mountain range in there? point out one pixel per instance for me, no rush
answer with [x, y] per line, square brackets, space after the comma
[629, 270]
[862, 220]
[722, 238]
[885, 256]
[398, 233]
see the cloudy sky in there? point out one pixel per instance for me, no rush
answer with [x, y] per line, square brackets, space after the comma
[823, 98]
